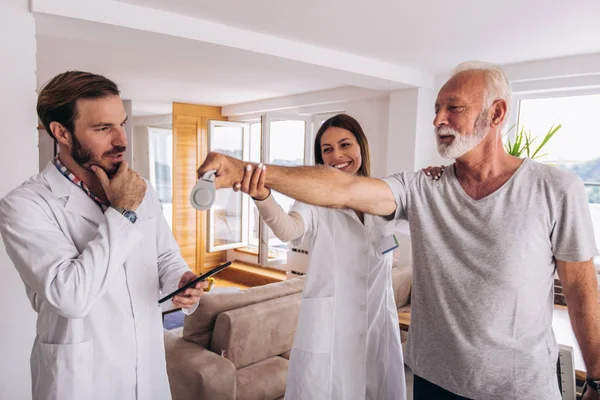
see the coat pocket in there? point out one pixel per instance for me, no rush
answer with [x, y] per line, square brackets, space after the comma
[63, 371]
[315, 325]
[308, 376]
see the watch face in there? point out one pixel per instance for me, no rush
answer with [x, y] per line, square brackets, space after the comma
[131, 216]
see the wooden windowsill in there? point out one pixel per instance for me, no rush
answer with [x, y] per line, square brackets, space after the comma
[252, 252]
[246, 250]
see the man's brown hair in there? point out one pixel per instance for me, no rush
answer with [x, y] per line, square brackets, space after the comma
[58, 99]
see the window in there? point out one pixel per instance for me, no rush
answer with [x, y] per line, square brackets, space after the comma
[576, 146]
[254, 216]
[286, 143]
[274, 139]
[160, 143]
[227, 218]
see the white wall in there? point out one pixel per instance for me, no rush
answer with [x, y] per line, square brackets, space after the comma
[139, 143]
[411, 141]
[425, 144]
[18, 161]
[401, 137]
[372, 115]
[46, 148]
[127, 104]
[141, 160]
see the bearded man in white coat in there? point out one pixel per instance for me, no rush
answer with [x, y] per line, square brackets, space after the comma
[94, 250]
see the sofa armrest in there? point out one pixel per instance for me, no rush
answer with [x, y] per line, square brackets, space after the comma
[198, 373]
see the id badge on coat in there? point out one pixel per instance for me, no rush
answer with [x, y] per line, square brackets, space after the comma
[386, 244]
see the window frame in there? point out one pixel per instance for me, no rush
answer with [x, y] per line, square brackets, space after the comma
[152, 167]
[516, 108]
[212, 124]
[266, 119]
[514, 120]
[261, 257]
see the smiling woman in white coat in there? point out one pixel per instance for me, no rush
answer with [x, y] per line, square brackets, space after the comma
[89, 240]
[347, 343]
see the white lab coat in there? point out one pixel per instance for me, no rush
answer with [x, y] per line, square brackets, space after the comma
[94, 281]
[347, 343]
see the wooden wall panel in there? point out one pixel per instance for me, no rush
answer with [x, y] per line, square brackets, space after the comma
[190, 146]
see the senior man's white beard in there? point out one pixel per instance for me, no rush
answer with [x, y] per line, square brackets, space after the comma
[462, 144]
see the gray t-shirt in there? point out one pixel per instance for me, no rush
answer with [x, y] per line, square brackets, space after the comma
[482, 297]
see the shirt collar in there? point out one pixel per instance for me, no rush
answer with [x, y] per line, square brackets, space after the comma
[78, 182]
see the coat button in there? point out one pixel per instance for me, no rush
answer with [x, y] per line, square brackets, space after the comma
[363, 308]
[362, 335]
[363, 278]
[366, 252]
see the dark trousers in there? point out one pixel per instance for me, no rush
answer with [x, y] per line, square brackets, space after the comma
[425, 390]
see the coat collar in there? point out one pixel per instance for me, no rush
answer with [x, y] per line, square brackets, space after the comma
[352, 214]
[77, 201]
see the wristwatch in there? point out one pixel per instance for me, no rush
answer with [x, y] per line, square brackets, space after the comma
[592, 384]
[130, 215]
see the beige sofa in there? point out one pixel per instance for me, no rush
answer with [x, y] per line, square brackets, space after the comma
[237, 345]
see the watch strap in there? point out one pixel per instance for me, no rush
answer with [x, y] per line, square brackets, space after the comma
[130, 215]
[593, 384]
[119, 209]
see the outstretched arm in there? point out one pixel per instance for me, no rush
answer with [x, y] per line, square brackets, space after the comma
[319, 185]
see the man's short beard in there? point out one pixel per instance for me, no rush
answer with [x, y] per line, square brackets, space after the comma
[462, 144]
[85, 158]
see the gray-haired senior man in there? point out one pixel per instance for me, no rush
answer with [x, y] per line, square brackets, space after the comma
[487, 238]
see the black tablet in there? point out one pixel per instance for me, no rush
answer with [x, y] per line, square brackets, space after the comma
[198, 279]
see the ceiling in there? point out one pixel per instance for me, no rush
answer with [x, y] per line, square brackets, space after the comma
[428, 36]
[155, 70]
[433, 35]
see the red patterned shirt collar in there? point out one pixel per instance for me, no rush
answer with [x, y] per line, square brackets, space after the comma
[73, 178]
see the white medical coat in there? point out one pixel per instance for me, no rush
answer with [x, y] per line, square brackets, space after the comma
[94, 280]
[347, 343]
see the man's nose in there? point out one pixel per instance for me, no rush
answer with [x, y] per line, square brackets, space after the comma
[440, 119]
[120, 138]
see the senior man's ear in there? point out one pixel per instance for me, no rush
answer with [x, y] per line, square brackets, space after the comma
[499, 108]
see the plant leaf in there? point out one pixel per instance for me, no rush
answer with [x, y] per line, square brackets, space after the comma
[553, 129]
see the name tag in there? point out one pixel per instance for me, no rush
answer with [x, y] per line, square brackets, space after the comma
[387, 244]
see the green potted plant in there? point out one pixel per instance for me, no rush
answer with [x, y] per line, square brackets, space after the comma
[523, 144]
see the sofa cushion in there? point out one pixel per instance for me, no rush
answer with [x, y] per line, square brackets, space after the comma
[198, 327]
[257, 332]
[263, 380]
[177, 331]
[401, 283]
